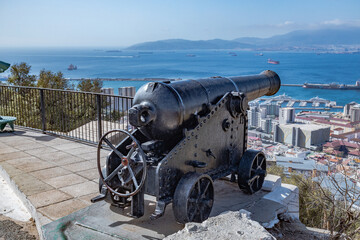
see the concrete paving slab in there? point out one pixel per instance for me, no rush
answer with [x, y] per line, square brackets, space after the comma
[89, 174]
[48, 156]
[41, 150]
[21, 161]
[93, 163]
[30, 185]
[62, 209]
[66, 180]
[91, 156]
[10, 169]
[49, 197]
[55, 141]
[13, 155]
[87, 198]
[43, 220]
[28, 146]
[79, 166]
[3, 145]
[7, 149]
[14, 141]
[53, 172]
[81, 150]
[70, 160]
[35, 165]
[81, 189]
[60, 158]
[67, 146]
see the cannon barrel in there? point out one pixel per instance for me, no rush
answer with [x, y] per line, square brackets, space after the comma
[162, 110]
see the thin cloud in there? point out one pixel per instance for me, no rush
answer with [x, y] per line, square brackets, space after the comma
[339, 22]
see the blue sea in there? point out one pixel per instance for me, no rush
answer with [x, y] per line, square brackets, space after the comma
[294, 67]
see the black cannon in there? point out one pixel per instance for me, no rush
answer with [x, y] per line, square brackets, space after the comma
[188, 134]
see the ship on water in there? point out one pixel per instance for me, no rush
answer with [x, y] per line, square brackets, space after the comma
[72, 67]
[333, 86]
[273, 61]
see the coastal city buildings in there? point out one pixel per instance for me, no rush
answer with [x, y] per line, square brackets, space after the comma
[303, 136]
[287, 115]
[127, 91]
[118, 104]
[355, 113]
[263, 116]
[347, 108]
[308, 136]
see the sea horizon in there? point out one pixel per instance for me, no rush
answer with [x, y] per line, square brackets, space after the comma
[294, 67]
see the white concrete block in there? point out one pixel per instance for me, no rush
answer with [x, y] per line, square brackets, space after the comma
[287, 195]
[271, 182]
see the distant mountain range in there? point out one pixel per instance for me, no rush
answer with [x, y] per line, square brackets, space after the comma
[301, 39]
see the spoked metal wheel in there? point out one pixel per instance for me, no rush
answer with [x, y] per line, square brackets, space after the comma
[125, 171]
[252, 171]
[193, 198]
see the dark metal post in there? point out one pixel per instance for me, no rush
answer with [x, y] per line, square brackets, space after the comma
[42, 110]
[98, 105]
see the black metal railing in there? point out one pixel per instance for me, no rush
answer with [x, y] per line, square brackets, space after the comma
[79, 115]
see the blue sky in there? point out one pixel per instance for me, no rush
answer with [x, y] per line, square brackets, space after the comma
[86, 23]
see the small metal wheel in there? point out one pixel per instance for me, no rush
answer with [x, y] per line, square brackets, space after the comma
[252, 171]
[124, 171]
[193, 198]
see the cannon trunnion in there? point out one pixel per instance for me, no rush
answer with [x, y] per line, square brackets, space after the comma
[189, 133]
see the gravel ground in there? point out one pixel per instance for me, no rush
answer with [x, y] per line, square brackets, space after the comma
[17, 230]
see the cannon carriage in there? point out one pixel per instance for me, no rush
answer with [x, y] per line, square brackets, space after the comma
[188, 134]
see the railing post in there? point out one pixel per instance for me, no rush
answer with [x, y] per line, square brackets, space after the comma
[98, 105]
[42, 110]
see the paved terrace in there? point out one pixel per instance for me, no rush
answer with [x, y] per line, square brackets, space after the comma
[57, 176]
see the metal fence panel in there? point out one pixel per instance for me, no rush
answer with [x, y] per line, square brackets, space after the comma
[78, 115]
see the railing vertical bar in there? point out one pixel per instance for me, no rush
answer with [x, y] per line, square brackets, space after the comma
[26, 109]
[77, 110]
[61, 108]
[63, 113]
[3, 103]
[98, 105]
[71, 110]
[42, 103]
[103, 112]
[117, 110]
[5, 100]
[86, 119]
[79, 119]
[122, 110]
[91, 116]
[82, 115]
[67, 111]
[95, 121]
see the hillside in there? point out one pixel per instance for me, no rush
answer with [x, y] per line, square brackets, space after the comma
[322, 38]
[182, 44]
